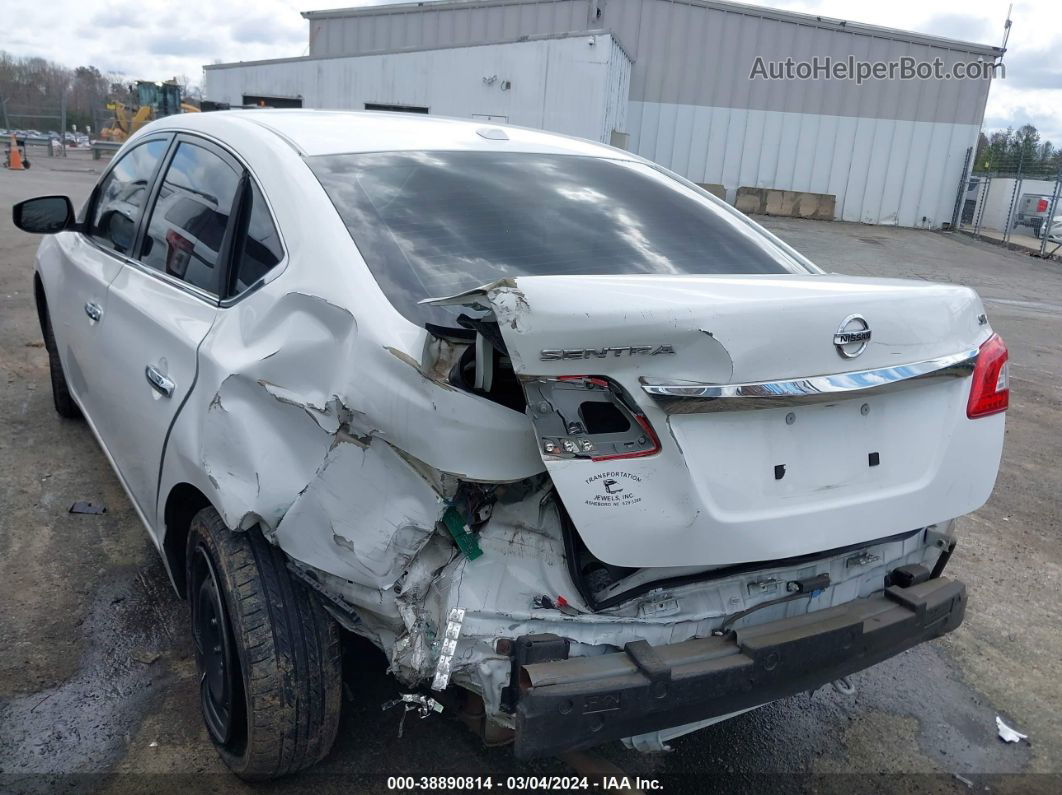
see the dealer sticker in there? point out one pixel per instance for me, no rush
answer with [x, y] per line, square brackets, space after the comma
[614, 489]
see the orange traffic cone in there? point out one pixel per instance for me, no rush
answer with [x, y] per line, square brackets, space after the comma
[14, 157]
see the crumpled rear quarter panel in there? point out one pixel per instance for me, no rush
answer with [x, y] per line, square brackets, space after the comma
[312, 415]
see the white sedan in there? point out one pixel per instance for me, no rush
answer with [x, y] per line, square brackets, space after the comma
[1054, 231]
[560, 432]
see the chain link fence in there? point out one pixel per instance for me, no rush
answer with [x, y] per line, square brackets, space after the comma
[41, 128]
[1012, 197]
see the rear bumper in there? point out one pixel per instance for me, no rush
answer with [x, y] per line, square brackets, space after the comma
[577, 703]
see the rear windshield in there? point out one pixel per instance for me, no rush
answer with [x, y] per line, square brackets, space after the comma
[431, 224]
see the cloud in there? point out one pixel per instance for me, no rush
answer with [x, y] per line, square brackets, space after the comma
[176, 44]
[1034, 69]
[962, 27]
[1009, 106]
[262, 30]
[116, 17]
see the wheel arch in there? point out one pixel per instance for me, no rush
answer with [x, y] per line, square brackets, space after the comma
[182, 503]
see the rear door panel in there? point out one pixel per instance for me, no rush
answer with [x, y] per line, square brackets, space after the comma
[162, 305]
[150, 323]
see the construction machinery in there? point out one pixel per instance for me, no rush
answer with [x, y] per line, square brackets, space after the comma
[154, 100]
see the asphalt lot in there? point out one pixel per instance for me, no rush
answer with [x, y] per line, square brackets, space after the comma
[97, 683]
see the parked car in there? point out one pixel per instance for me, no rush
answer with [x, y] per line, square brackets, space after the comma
[1054, 232]
[1032, 211]
[573, 442]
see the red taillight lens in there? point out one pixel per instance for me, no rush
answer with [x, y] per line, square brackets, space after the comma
[990, 391]
[1041, 206]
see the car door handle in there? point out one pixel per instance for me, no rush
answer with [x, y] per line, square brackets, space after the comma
[93, 310]
[160, 383]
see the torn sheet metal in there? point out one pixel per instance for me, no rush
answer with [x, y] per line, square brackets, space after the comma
[524, 557]
[285, 383]
[441, 621]
[413, 702]
[339, 436]
[363, 515]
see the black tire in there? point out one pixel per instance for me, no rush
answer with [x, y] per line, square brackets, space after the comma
[61, 397]
[270, 668]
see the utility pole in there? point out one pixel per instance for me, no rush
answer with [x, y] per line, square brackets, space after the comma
[62, 121]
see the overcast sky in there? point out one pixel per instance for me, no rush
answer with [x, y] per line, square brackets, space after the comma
[155, 39]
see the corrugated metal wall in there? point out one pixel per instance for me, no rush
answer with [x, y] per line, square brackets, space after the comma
[685, 52]
[882, 171]
[567, 85]
[389, 28]
[891, 151]
[617, 91]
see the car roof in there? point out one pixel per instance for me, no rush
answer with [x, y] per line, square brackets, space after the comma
[326, 132]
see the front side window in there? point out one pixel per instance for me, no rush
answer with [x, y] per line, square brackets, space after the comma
[430, 224]
[187, 226]
[122, 195]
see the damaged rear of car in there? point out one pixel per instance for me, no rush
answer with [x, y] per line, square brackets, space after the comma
[558, 431]
[731, 512]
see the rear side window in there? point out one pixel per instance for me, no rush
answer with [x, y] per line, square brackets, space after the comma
[191, 214]
[431, 224]
[260, 249]
[122, 195]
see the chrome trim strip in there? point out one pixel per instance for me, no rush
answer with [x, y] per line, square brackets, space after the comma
[690, 397]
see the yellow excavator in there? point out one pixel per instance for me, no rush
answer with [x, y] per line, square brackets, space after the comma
[154, 101]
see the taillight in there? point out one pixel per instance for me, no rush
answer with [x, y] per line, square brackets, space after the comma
[989, 392]
[582, 416]
[1041, 206]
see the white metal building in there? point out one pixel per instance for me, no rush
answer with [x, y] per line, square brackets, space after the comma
[572, 83]
[667, 79]
[1002, 197]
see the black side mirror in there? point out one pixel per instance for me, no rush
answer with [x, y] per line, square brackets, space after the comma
[44, 215]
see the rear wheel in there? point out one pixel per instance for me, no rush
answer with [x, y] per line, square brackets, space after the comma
[267, 653]
[61, 397]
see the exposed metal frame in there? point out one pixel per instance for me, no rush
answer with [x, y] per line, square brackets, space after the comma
[688, 397]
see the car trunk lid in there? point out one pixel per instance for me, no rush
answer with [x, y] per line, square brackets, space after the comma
[770, 416]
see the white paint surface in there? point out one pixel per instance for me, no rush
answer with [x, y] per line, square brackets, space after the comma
[711, 495]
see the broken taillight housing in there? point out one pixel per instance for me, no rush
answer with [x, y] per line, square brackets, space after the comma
[990, 390]
[583, 416]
